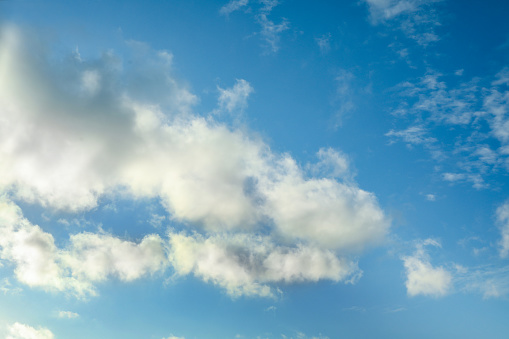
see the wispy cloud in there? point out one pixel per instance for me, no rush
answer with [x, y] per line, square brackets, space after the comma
[323, 42]
[270, 31]
[68, 315]
[234, 100]
[417, 19]
[502, 216]
[232, 6]
[467, 151]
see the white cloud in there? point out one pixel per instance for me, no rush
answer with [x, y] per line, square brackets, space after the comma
[68, 314]
[502, 215]
[203, 171]
[235, 98]
[332, 163]
[422, 277]
[174, 337]
[65, 144]
[89, 258]
[247, 265]
[232, 6]
[21, 331]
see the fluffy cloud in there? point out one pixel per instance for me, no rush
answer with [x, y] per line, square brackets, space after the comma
[422, 277]
[244, 264]
[89, 258]
[74, 133]
[21, 331]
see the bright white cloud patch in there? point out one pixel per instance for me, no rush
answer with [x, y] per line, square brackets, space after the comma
[422, 277]
[89, 258]
[245, 264]
[66, 140]
[21, 331]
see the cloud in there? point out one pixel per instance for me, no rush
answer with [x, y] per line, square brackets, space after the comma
[248, 265]
[415, 135]
[476, 116]
[235, 99]
[68, 314]
[270, 31]
[422, 277]
[502, 216]
[88, 258]
[415, 18]
[232, 6]
[174, 337]
[21, 331]
[66, 143]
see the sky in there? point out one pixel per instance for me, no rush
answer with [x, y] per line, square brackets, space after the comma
[254, 169]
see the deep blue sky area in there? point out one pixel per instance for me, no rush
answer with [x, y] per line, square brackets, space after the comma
[254, 169]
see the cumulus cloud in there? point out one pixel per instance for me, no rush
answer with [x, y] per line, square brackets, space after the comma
[85, 129]
[89, 258]
[422, 277]
[21, 331]
[244, 264]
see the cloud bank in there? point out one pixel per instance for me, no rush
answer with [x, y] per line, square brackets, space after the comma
[74, 131]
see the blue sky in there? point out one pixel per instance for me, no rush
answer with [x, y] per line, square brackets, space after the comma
[254, 169]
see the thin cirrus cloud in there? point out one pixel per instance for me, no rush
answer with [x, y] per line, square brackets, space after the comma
[415, 18]
[83, 130]
[234, 99]
[471, 155]
[269, 30]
